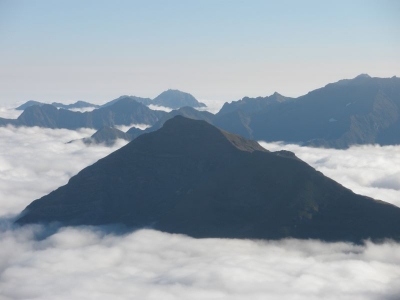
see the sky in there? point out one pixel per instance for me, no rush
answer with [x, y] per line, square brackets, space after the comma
[216, 50]
[93, 263]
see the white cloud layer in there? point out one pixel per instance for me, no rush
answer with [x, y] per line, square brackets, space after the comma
[125, 128]
[369, 170]
[82, 110]
[9, 113]
[81, 263]
[157, 107]
[87, 263]
[34, 161]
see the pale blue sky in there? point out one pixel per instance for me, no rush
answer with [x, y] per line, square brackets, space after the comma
[220, 50]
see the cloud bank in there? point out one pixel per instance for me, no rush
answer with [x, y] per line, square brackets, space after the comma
[9, 113]
[85, 263]
[34, 161]
[369, 170]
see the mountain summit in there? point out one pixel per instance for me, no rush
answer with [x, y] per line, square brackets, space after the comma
[192, 178]
[176, 99]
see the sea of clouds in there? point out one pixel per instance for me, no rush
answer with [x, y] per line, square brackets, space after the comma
[90, 263]
[369, 170]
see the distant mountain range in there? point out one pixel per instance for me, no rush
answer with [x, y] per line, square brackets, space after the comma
[123, 112]
[192, 178]
[77, 104]
[363, 110]
[171, 98]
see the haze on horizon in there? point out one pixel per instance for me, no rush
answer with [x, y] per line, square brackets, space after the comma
[215, 50]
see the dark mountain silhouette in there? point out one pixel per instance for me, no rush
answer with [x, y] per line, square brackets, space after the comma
[362, 110]
[124, 112]
[190, 177]
[107, 135]
[77, 104]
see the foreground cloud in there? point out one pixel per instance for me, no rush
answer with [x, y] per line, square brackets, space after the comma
[84, 263]
[369, 170]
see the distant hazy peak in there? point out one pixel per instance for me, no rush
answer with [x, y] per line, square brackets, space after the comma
[176, 99]
[364, 75]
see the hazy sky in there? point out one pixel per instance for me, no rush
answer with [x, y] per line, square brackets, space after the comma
[216, 50]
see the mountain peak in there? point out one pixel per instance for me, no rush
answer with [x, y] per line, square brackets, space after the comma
[176, 99]
[204, 133]
[363, 75]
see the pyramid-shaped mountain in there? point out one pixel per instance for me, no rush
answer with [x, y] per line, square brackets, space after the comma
[107, 136]
[190, 177]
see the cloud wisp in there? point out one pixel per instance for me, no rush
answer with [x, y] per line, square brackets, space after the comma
[369, 170]
[158, 107]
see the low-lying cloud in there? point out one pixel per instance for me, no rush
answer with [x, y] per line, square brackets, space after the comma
[34, 161]
[83, 109]
[85, 263]
[90, 263]
[125, 128]
[9, 113]
[369, 170]
[158, 107]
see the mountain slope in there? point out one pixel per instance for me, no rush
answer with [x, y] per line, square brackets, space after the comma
[190, 177]
[28, 103]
